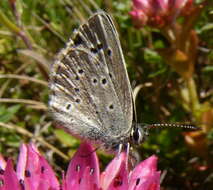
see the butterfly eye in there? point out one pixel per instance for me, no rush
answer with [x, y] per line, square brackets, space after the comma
[136, 136]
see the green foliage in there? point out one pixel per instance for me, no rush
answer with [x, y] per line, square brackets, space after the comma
[7, 113]
[65, 138]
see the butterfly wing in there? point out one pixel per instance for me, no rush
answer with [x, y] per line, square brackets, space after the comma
[91, 94]
[100, 34]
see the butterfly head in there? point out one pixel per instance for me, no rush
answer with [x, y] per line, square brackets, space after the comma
[138, 134]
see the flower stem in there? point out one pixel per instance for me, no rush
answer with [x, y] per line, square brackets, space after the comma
[193, 97]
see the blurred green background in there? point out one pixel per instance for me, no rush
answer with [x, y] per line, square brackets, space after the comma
[33, 31]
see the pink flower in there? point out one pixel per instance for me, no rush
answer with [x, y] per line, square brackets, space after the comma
[158, 13]
[34, 173]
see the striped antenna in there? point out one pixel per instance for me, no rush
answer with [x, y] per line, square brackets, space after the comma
[171, 125]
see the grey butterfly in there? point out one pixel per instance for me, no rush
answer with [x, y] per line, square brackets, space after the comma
[91, 96]
[91, 93]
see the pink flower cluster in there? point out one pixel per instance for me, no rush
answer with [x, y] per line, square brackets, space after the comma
[158, 13]
[34, 173]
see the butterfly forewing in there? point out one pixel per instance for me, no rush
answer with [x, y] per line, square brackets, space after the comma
[91, 95]
[100, 34]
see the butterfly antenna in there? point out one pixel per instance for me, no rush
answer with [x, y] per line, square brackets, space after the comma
[172, 125]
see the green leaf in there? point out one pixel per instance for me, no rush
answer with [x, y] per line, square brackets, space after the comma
[159, 72]
[66, 138]
[208, 69]
[151, 56]
[6, 114]
[205, 28]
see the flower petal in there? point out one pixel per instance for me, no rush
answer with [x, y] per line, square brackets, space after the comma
[138, 17]
[3, 163]
[10, 180]
[145, 175]
[22, 161]
[159, 13]
[116, 174]
[153, 183]
[84, 163]
[143, 5]
[87, 181]
[38, 173]
[47, 177]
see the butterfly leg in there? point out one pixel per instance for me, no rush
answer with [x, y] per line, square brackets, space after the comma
[120, 148]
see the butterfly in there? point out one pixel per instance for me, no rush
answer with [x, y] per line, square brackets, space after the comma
[91, 96]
